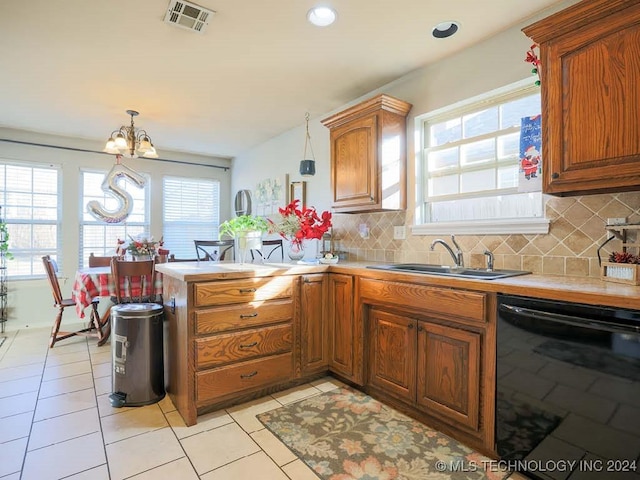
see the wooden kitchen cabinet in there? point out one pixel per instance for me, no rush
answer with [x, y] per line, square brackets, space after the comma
[368, 156]
[590, 73]
[228, 339]
[344, 330]
[314, 341]
[433, 350]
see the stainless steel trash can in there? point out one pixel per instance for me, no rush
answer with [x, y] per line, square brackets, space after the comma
[137, 354]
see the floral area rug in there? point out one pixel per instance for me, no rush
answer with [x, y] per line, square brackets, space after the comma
[347, 435]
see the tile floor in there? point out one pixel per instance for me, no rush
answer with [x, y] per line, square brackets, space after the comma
[56, 422]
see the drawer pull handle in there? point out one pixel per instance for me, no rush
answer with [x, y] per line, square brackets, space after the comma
[248, 315]
[249, 375]
[248, 345]
[247, 290]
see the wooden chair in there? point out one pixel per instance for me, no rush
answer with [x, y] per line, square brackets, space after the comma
[172, 258]
[275, 245]
[95, 261]
[214, 250]
[95, 328]
[132, 279]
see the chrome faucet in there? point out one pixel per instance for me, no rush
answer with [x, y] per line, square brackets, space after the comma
[489, 260]
[457, 256]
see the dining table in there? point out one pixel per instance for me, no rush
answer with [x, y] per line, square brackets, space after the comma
[98, 282]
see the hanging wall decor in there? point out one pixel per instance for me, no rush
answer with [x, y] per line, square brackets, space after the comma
[111, 187]
[533, 59]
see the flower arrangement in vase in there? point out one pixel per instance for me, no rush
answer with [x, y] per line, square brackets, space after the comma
[140, 248]
[298, 224]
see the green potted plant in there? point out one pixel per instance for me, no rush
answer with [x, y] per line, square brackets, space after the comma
[247, 230]
[4, 240]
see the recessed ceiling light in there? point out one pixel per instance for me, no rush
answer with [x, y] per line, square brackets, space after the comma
[321, 16]
[445, 29]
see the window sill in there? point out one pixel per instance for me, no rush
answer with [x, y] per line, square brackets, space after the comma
[485, 227]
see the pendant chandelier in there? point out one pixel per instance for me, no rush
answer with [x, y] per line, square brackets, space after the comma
[307, 167]
[130, 142]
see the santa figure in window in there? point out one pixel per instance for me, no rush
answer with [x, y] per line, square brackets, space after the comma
[530, 162]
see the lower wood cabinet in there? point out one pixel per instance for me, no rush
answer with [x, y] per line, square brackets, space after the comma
[314, 341]
[344, 329]
[441, 368]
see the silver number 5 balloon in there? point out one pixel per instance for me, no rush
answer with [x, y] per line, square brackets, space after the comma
[110, 186]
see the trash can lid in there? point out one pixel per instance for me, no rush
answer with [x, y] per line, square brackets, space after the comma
[137, 308]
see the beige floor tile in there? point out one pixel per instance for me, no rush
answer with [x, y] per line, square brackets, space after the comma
[98, 473]
[16, 387]
[205, 422]
[71, 384]
[166, 405]
[298, 470]
[23, 371]
[66, 370]
[11, 455]
[100, 358]
[64, 459]
[141, 453]
[214, 448]
[73, 344]
[15, 426]
[273, 447]
[102, 370]
[65, 427]
[327, 384]
[177, 470]
[103, 385]
[296, 394]
[21, 403]
[105, 408]
[134, 422]
[66, 358]
[22, 359]
[254, 466]
[66, 403]
[245, 414]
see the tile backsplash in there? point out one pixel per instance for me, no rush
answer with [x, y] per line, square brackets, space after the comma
[576, 231]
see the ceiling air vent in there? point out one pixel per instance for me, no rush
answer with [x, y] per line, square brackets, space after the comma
[188, 15]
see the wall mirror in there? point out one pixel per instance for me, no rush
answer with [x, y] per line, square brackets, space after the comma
[243, 202]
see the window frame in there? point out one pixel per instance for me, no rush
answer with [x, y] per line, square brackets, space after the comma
[529, 225]
[35, 253]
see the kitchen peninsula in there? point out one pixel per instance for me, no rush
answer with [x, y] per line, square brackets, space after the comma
[243, 331]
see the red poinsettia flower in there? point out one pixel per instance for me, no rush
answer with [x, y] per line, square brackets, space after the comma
[298, 224]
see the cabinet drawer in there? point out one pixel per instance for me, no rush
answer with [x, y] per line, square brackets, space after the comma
[456, 304]
[251, 314]
[245, 376]
[226, 348]
[240, 291]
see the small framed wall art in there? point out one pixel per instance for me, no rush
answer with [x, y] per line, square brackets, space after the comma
[298, 191]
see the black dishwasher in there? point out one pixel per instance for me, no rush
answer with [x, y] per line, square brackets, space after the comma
[568, 389]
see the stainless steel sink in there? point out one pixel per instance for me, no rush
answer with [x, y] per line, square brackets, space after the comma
[477, 273]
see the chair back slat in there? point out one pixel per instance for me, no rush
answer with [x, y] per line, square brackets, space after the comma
[134, 281]
[214, 250]
[172, 258]
[95, 261]
[51, 267]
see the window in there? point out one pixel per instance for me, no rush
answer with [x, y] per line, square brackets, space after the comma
[191, 210]
[100, 237]
[31, 209]
[468, 167]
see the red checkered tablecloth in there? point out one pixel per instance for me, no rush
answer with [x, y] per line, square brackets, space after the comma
[98, 282]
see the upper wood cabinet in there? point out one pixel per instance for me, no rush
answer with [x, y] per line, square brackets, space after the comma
[368, 156]
[590, 72]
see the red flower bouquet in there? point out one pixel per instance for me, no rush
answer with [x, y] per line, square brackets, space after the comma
[298, 224]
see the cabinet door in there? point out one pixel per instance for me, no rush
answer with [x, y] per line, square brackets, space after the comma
[449, 373]
[314, 342]
[591, 100]
[354, 169]
[345, 348]
[392, 363]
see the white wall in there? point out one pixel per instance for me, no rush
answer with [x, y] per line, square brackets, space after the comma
[496, 62]
[30, 301]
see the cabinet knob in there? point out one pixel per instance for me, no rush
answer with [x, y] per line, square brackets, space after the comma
[410, 326]
[420, 328]
[249, 315]
[555, 175]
